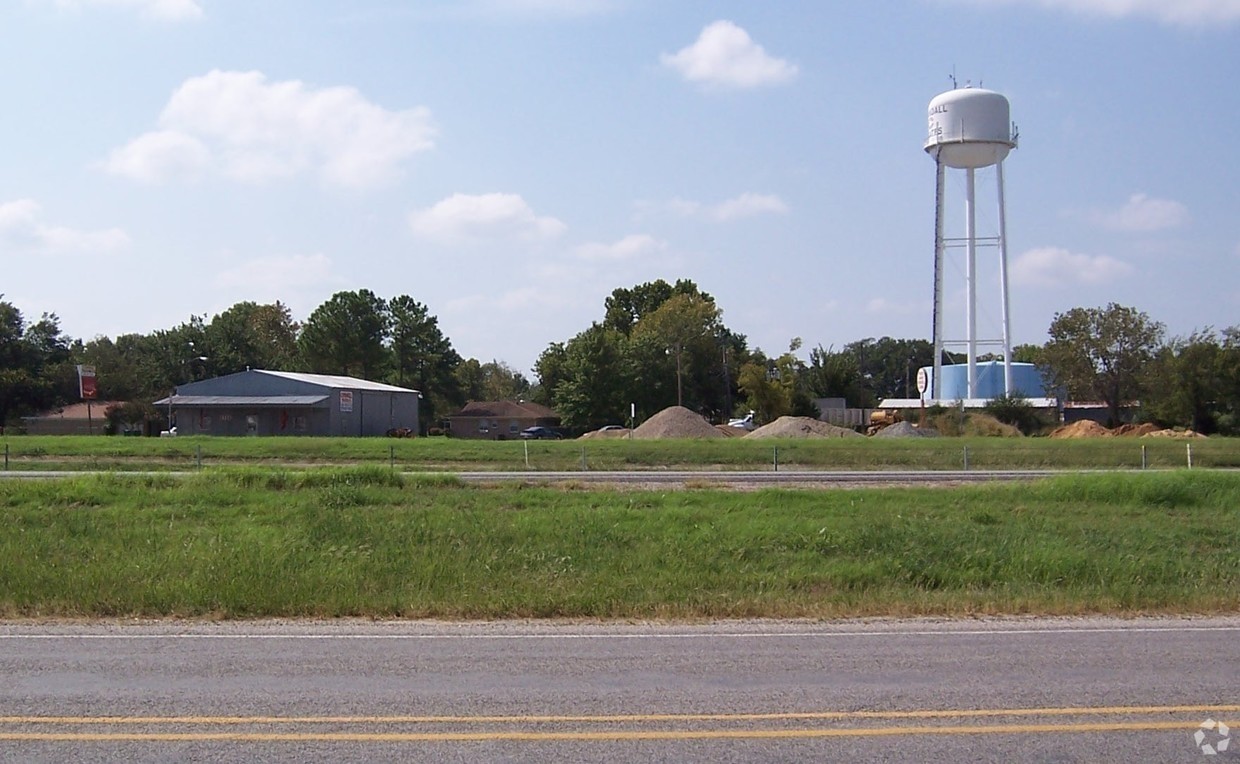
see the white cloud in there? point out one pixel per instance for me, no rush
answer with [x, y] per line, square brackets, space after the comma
[748, 205]
[743, 206]
[725, 56]
[160, 10]
[1189, 13]
[241, 126]
[483, 216]
[22, 230]
[1143, 214]
[154, 156]
[546, 7]
[1054, 266]
[888, 307]
[628, 248]
[279, 271]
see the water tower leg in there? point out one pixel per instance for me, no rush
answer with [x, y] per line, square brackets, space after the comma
[1008, 383]
[970, 277]
[937, 330]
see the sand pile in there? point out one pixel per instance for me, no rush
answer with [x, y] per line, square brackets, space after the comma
[906, 430]
[676, 422]
[623, 432]
[1135, 430]
[1083, 429]
[1173, 434]
[801, 427]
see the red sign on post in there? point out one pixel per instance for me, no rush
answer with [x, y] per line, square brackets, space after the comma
[86, 382]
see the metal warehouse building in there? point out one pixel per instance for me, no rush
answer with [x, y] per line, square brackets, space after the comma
[257, 402]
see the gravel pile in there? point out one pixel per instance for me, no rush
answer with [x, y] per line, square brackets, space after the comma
[1135, 430]
[676, 422]
[1173, 434]
[801, 427]
[623, 432]
[1085, 428]
[906, 430]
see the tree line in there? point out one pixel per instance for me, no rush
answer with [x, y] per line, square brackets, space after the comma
[356, 333]
[655, 345]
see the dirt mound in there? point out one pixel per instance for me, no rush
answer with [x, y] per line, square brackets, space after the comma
[1135, 430]
[676, 422]
[986, 426]
[1085, 428]
[623, 432]
[906, 430]
[801, 427]
[1173, 434]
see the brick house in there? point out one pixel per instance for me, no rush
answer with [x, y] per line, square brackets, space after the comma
[500, 420]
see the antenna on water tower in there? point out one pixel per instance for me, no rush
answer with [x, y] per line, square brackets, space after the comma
[970, 128]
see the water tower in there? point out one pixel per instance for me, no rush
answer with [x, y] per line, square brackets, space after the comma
[970, 128]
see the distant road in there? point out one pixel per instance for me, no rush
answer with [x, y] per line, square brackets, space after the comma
[926, 691]
[769, 477]
[682, 477]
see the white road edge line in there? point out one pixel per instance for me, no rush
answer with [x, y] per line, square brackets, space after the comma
[657, 635]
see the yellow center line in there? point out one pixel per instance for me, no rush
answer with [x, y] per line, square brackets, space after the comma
[616, 735]
[632, 718]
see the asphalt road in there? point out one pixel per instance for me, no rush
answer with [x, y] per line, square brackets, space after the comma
[1026, 690]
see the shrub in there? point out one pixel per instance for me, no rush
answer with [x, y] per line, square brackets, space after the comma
[1015, 410]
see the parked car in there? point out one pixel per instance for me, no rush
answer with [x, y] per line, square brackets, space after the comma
[539, 433]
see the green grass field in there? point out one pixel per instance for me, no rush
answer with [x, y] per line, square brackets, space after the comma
[447, 454]
[368, 542]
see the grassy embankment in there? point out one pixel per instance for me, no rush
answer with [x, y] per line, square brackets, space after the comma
[367, 542]
[448, 454]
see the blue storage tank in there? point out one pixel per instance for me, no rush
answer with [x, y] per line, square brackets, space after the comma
[1026, 381]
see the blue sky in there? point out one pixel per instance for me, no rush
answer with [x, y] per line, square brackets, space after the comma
[511, 162]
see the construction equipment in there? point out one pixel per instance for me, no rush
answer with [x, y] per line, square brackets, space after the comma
[880, 418]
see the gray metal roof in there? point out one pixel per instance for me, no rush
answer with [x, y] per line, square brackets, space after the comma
[331, 380]
[207, 401]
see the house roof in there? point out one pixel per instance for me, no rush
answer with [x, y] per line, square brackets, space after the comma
[336, 381]
[77, 411]
[507, 410]
[256, 401]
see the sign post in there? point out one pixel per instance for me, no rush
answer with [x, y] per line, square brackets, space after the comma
[88, 392]
[923, 384]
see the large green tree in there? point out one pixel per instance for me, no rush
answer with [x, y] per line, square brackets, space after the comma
[889, 366]
[1102, 354]
[658, 344]
[346, 335]
[626, 307]
[422, 358]
[36, 365]
[1229, 382]
[252, 336]
[596, 386]
[1192, 382]
[837, 374]
[776, 387]
[688, 326]
[491, 381]
[121, 367]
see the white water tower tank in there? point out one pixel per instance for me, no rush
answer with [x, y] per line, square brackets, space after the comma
[970, 128]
